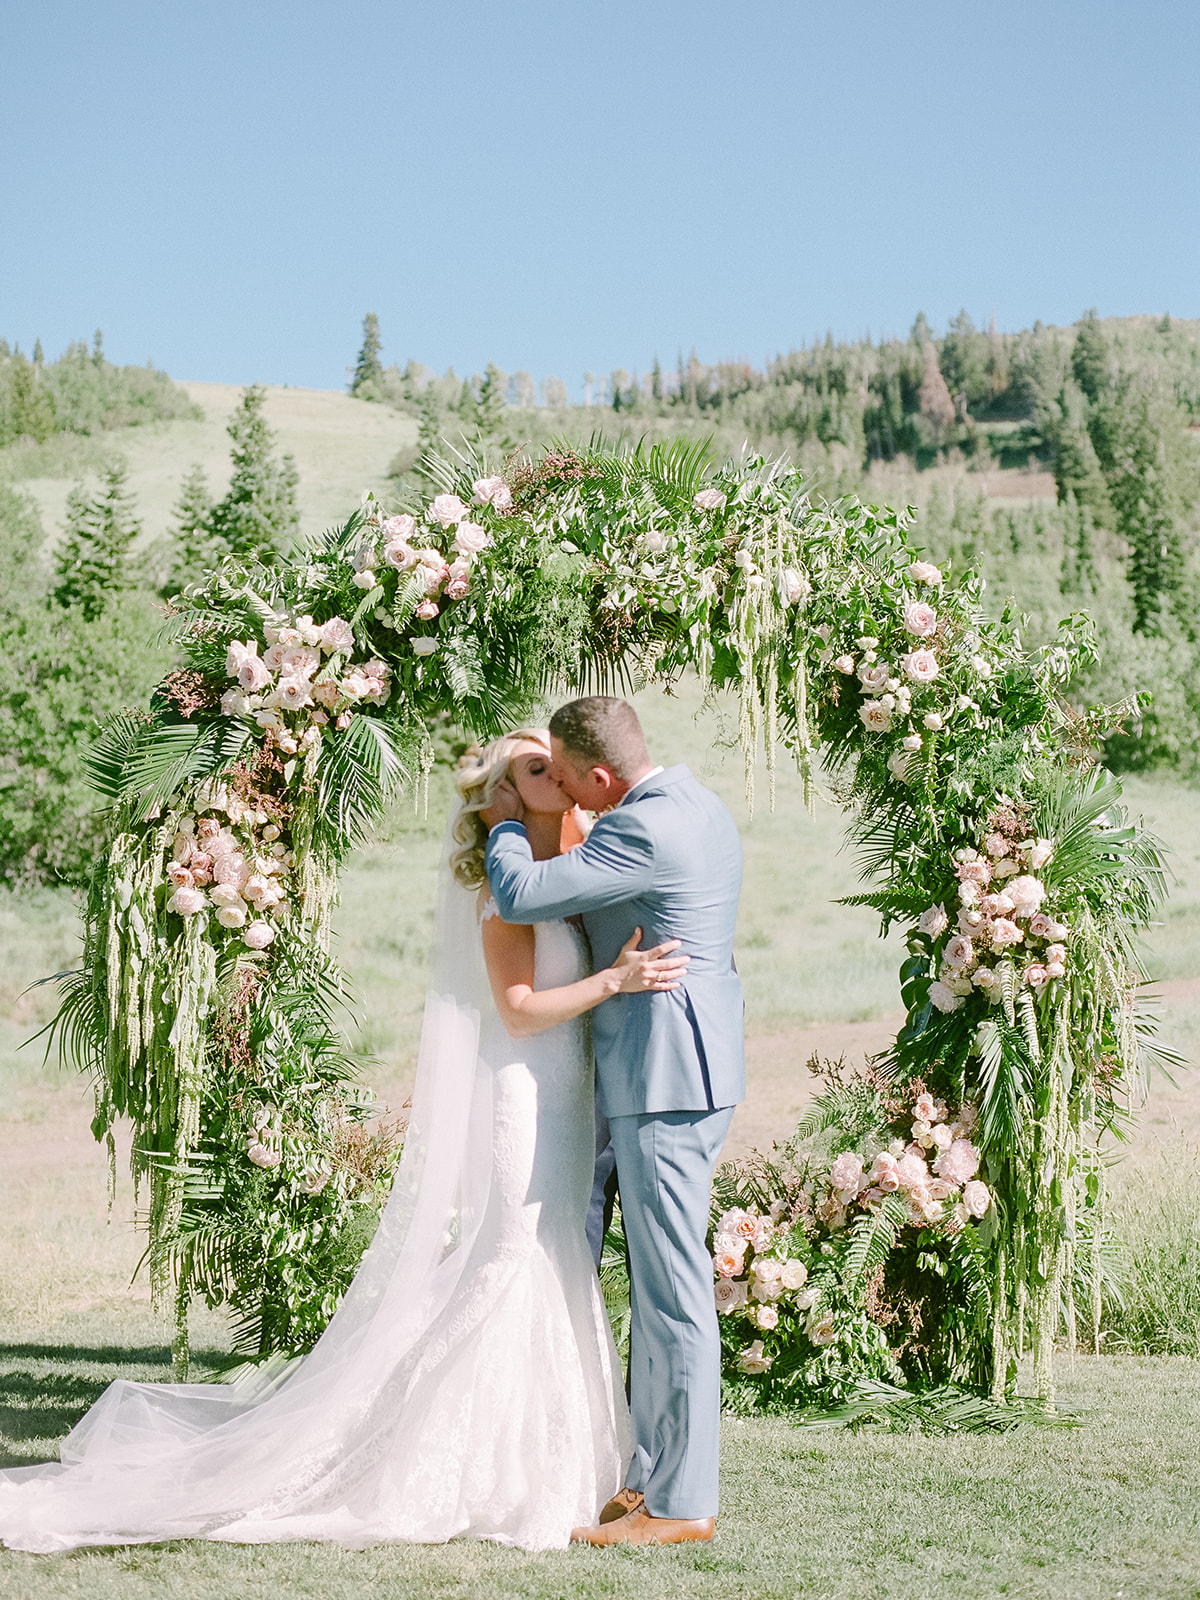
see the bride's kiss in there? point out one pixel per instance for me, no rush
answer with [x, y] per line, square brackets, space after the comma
[468, 1383]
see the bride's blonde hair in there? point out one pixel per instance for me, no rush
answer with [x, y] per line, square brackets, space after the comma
[480, 772]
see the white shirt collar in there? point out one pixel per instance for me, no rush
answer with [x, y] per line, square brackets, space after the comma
[645, 778]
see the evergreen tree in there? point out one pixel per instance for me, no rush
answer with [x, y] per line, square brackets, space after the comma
[656, 380]
[95, 560]
[98, 348]
[490, 409]
[1078, 474]
[195, 551]
[368, 369]
[39, 359]
[1152, 486]
[1090, 357]
[258, 516]
[30, 410]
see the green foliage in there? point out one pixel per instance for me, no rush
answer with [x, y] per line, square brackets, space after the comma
[257, 518]
[195, 550]
[82, 393]
[366, 382]
[94, 562]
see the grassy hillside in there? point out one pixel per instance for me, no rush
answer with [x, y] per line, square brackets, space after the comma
[341, 446]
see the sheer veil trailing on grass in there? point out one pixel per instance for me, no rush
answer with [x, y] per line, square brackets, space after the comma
[425, 1410]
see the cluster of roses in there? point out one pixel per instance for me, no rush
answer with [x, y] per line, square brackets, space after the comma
[405, 546]
[754, 1274]
[999, 918]
[934, 1170]
[242, 876]
[305, 670]
[793, 586]
[888, 687]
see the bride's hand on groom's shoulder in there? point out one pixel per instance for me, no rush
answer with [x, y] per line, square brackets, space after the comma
[506, 806]
[640, 971]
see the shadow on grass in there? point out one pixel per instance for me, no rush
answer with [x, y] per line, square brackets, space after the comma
[46, 1388]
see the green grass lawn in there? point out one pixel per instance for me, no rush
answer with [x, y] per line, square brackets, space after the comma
[1111, 1508]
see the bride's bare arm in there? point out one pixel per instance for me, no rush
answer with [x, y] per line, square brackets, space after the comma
[508, 950]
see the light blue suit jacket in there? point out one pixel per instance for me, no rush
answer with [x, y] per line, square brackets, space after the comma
[667, 860]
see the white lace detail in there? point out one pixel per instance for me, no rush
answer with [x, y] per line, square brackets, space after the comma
[469, 1390]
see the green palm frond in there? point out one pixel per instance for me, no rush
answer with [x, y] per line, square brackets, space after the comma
[361, 768]
[872, 1237]
[1006, 1075]
[941, 1411]
[136, 758]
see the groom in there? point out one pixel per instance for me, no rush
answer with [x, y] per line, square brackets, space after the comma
[665, 856]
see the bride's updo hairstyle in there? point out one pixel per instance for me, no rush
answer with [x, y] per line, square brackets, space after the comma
[480, 772]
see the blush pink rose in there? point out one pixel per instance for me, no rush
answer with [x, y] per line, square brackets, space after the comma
[924, 572]
[399, 554]
[844, 665]
[847, 1172]
[873, 675]
[457, 588]
[920, 666]
[426, 611]
[336, 634]
[973, 872]
[180, 876]
[259, 935]
[470, 539]
[186, 902]
[326, 693]
[977, 1198]
[959, 1163]
[253, 675]
[727, 1263]
[876, 717]
[447, 509]
[933, 922]
[401, 527]
[1026, 894]
[730, 1296]
[920, 619]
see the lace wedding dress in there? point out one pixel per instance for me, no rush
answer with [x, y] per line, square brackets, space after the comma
[467, 1385]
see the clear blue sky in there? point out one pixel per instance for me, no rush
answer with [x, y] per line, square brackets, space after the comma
[226, 187]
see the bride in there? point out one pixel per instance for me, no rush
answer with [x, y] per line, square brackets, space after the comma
[468, 1383]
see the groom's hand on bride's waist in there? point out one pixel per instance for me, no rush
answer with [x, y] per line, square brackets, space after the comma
[506, 806]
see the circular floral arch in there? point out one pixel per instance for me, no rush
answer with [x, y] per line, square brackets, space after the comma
[309, 693]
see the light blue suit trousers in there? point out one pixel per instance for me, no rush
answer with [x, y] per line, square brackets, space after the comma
[670, 1069]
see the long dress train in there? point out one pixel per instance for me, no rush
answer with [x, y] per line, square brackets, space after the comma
[468, 1383]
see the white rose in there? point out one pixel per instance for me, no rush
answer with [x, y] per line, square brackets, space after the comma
[654, 541]
[933, 722]
[912, 741]
[231, 916]
[843, 664]
[235, 703]
[933, 921]
[424, 647]
[470, 538]
[1040, 854]
[795, 585]
[793, 1274]
[921, 666]
[873, 677]
[976, 1197]
[876, 716]
[943, 997]
[709, 500]
[730, 1295]
[924, 572]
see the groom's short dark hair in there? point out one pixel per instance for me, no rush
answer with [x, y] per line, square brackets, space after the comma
[601, 731]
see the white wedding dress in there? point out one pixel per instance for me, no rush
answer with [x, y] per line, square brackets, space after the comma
[467, 1385]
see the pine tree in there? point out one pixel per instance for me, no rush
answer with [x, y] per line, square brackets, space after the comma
[39, 359]
[368, 369]
[1077, 472]
[1090, 357]
[94, 560]
[258, 518]
[98, 348]
[1151, 489]
[195, 550]
[30, 411]
[490, 409]
[656, 380]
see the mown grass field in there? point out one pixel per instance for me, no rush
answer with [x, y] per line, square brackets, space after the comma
[1109, 1508]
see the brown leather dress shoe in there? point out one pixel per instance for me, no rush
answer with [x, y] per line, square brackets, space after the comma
[624, 1501]
[639, 1527]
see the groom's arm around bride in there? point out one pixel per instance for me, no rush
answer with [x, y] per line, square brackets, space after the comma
[666, 857]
